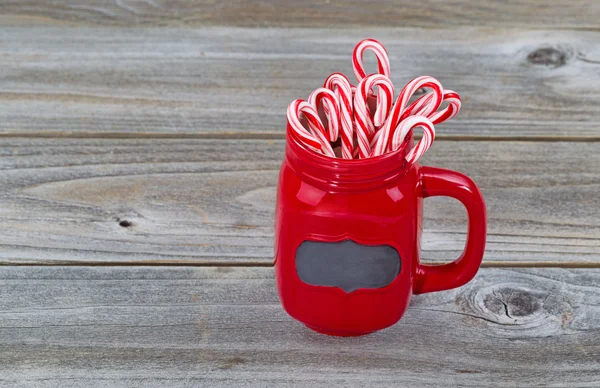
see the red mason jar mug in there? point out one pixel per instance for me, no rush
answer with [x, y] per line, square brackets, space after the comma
[347, 237]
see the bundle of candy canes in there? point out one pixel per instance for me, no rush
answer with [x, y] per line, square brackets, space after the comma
[361, 132]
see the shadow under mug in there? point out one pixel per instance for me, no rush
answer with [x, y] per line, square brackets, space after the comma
[347, 237]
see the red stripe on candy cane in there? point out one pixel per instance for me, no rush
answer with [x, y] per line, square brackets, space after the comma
[299, 132]
[423, 145]
[383, 65]
[365, 128]
[417, 108]
[383, 62]
[314, 139]
[450, 111]
[343, 91]
[330, 107]
[400, 112]
[420, 106]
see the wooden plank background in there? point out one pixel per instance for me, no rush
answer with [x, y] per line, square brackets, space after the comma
[209, 201]
[181, 327]
[139, 149]
[236, 82]
[577, 14]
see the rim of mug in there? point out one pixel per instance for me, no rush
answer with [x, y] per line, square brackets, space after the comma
[342, 173]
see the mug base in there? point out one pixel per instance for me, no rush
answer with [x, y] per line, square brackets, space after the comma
[338, 333]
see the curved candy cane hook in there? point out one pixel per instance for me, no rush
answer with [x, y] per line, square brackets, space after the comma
[343, 91]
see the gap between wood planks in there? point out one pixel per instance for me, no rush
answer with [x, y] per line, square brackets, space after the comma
[269, 263]
[277, 136]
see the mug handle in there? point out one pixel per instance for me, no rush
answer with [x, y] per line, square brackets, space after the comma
[441, 182]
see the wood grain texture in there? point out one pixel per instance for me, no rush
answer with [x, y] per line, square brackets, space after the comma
[579, 14]
[230, 81]
[212, 201]
[182, 327]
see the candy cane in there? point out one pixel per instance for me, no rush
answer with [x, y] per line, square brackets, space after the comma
[317, 140]
[398, 111]
[365, 128]
[450, 111]
[330, 107]
[383, 62]
[417, 108]
[383, 65]
[343, 90]
[423, 145]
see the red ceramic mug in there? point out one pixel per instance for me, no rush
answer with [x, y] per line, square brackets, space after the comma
[347, 236]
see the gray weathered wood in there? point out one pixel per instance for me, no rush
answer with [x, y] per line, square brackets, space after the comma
[323, 13]
[210, 201]
[158, 198]
[182, 327]
[229, 81]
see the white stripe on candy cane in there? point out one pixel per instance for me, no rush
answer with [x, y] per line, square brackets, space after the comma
[343, 91]
[316, 138]
[365, 128]
[423, 145]
[400, 112]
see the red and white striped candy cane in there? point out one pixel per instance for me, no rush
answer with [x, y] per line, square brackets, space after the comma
[450, 111]
[343, 90]
[330, 107]
[365, 128]
[417, 108]
[383, 64]
[399, 111]
[317, 140]
[423, 145]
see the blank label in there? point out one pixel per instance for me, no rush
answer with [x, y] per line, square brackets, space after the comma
[347, 264]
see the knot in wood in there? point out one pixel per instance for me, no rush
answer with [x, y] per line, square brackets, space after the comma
[125, 223]
[512, 302]
[547, 56]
